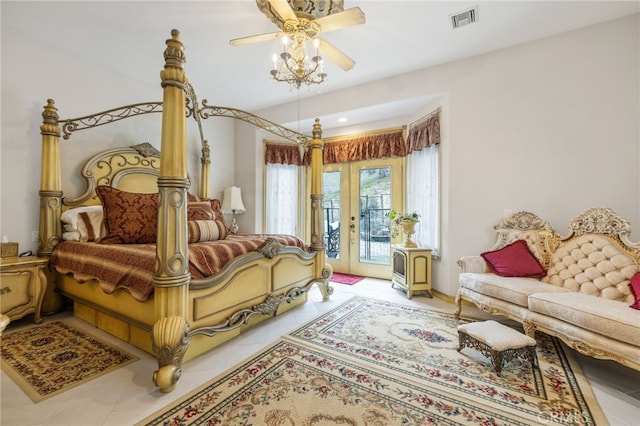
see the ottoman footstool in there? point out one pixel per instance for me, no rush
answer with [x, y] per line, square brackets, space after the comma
[498, 342]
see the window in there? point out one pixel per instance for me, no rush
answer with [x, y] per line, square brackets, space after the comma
[282, 188]
[423, 179]
[281, 199]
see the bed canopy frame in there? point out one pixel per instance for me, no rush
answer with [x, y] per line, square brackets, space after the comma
[171, 334]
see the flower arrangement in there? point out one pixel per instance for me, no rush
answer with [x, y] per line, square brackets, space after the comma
[398, 219]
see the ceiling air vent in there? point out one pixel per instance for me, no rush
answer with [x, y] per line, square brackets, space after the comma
[465, 17]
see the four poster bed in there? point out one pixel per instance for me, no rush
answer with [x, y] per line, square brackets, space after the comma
[151, 263]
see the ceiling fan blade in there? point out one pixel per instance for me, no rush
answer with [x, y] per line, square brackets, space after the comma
[335, 55]
[335, 21]
[256, 38]
[283, 9]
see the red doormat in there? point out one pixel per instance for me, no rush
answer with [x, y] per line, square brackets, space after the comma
[345, 278]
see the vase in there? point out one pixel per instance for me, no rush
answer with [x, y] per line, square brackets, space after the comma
[408, 229]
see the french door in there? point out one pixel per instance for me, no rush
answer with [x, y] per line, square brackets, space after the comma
[356, 197]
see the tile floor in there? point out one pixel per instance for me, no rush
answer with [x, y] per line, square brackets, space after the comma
[128, 395]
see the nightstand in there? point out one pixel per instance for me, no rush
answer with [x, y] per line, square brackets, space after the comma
[22, 286]
[411, 269]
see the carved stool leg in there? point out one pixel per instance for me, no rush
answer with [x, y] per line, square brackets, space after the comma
[533, 359]
[496, 359]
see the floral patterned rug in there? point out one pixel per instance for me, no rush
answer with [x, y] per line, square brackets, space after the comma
[371, 362]
[51, 358]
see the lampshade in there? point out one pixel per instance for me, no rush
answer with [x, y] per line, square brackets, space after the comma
[232, 200]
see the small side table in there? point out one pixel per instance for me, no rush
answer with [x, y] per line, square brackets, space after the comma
[411, 269]
[22, 286]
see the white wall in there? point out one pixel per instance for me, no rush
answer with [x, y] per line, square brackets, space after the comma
[551, 127]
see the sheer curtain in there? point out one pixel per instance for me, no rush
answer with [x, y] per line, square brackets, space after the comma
[282, 193]
[423, 195]
[423, 179]
[282, 199]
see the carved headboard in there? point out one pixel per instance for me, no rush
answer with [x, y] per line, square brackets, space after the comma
[131, 169]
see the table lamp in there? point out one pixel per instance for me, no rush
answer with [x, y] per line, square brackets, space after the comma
[232, 203]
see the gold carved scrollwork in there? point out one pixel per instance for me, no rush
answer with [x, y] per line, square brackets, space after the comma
[525, 221]
[270, 248]
[174, 53]
[268, 307]
[146, 150]
[599, 220]
[594, 353]
[105, 117]
[50, 119]
[529, 328]
[170, 342]
[219, 111]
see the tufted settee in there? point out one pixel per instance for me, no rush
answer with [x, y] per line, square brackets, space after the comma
[582, 294]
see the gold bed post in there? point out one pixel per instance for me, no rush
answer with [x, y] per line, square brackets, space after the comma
[324, 270]
[205, 166]
[171, 279]
[50, 227]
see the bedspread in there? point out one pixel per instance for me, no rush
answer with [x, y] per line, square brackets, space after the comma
[131, 266]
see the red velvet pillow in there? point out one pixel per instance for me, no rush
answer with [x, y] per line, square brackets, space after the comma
[634, 286]
[129, 218]
[514, 260]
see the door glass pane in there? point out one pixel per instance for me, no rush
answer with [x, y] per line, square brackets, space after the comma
[331, 190]
[375, 201]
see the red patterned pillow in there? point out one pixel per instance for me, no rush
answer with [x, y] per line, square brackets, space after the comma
[200, 210]
[514, 260]
[129, 218]
[634, 286]
[217, 210]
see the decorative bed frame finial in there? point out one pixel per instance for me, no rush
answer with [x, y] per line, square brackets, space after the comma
[174, 53]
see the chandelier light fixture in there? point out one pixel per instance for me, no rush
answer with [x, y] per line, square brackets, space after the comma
[295, 65]
[300, 23]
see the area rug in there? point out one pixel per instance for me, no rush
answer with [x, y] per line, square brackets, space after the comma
[370, 362]
[48, 359]
[337, 277]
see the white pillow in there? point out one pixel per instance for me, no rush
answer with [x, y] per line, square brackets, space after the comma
[83, 223]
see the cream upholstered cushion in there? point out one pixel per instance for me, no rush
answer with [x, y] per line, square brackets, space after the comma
[609, 318]
[497, 336]
[593, 264]
[511, 289]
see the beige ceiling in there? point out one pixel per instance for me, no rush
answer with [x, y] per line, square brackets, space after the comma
[398, 36]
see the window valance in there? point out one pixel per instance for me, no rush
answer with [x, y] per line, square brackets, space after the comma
[284, 153]
[425, 132]
[389, 143]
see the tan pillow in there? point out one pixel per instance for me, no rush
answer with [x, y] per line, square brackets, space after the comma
[130, 218]
[206, 230]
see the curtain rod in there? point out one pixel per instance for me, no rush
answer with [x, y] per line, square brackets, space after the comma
[421, 119]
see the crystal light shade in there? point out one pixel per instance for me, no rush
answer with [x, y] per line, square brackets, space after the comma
[295, 66]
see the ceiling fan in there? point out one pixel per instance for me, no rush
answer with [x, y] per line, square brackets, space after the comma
[296, 21]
